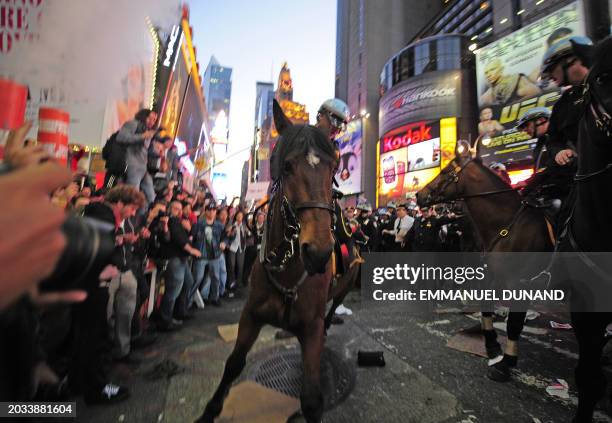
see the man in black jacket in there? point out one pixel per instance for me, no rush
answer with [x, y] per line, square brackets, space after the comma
[91, 364]
[175, 250]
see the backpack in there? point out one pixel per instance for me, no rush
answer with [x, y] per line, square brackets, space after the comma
[114, 154]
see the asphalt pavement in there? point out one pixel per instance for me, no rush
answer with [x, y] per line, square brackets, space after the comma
[424, 381]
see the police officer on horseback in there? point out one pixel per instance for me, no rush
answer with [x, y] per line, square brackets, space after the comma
[535, 123]
[566, 62]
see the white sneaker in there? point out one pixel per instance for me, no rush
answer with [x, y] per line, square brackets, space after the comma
[110, 390]
[344, 310]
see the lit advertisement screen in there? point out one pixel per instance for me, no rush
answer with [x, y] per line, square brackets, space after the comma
[174, 99]
[424, 155]
[508, 84]
[412, 155]
[192, 118]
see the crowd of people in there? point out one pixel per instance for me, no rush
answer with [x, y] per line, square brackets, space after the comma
[406, 227]
[66, 314]
[199, 253]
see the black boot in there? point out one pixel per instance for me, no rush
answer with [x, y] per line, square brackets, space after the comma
[500, 371]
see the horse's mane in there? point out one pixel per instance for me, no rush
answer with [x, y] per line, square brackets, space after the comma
[497, 180]
[298, 140]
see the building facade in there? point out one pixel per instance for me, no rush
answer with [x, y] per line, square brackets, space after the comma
[368, 33]
[217, 92]
[469, 73]
[263, 116]
[427, 103]
[265, 132]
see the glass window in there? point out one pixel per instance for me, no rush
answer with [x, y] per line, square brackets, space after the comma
[421, 58]
[406, 64]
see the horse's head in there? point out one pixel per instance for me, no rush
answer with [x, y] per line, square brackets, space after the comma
[305, 165]
[599, 86]
[451, 183]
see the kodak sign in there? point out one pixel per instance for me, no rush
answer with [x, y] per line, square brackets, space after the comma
[406, 135]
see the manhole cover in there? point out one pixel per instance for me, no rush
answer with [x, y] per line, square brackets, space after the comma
[282, 371]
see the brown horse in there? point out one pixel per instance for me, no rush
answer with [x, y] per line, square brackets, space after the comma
[290, 283]
[504, 224]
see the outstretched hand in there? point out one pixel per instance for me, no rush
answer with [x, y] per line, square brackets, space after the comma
[18, 156]
[32, 239]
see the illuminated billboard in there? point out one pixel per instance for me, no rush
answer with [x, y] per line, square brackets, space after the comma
[412, 155]
[349, 142]
[508, 86]
[424, 155]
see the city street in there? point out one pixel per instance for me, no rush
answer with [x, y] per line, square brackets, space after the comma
[423, 380]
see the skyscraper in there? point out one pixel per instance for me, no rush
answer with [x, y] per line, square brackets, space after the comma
[368, 33]
[263, 115]
[265, 133]
[217, 94]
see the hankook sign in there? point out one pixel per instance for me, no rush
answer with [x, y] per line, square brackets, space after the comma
[428, 96]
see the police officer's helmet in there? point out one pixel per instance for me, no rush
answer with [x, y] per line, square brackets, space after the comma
[533, 115]
[578, 46]
[337, 111]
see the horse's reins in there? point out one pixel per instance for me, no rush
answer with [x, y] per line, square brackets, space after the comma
[454, 178]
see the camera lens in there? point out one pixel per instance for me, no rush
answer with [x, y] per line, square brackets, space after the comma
[89, 248]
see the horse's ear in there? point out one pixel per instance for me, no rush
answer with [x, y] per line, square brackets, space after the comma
[280, 120]
[463, 150]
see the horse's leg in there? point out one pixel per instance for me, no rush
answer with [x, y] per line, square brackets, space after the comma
[500, 371]
[312, 347]
[248, 331]
[589, 329]
[492, 346]
[330, 314]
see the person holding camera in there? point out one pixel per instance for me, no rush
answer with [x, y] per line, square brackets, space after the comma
[137, 134]
[109, 304]
[176, 250]
[237, 237]
[209, 237]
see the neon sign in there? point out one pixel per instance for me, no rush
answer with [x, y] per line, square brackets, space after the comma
[171, 45]
[407, 135]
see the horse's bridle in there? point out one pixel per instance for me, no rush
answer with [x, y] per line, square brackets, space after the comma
[278, 257]
[453, 177]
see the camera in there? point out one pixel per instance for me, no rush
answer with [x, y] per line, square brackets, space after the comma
[89, 248]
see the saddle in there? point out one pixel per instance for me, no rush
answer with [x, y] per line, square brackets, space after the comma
[550, 207]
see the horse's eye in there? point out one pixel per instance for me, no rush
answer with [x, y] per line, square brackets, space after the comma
[287, 168]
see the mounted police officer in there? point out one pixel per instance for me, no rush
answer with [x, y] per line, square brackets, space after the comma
[535, 123]
[566, 62]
